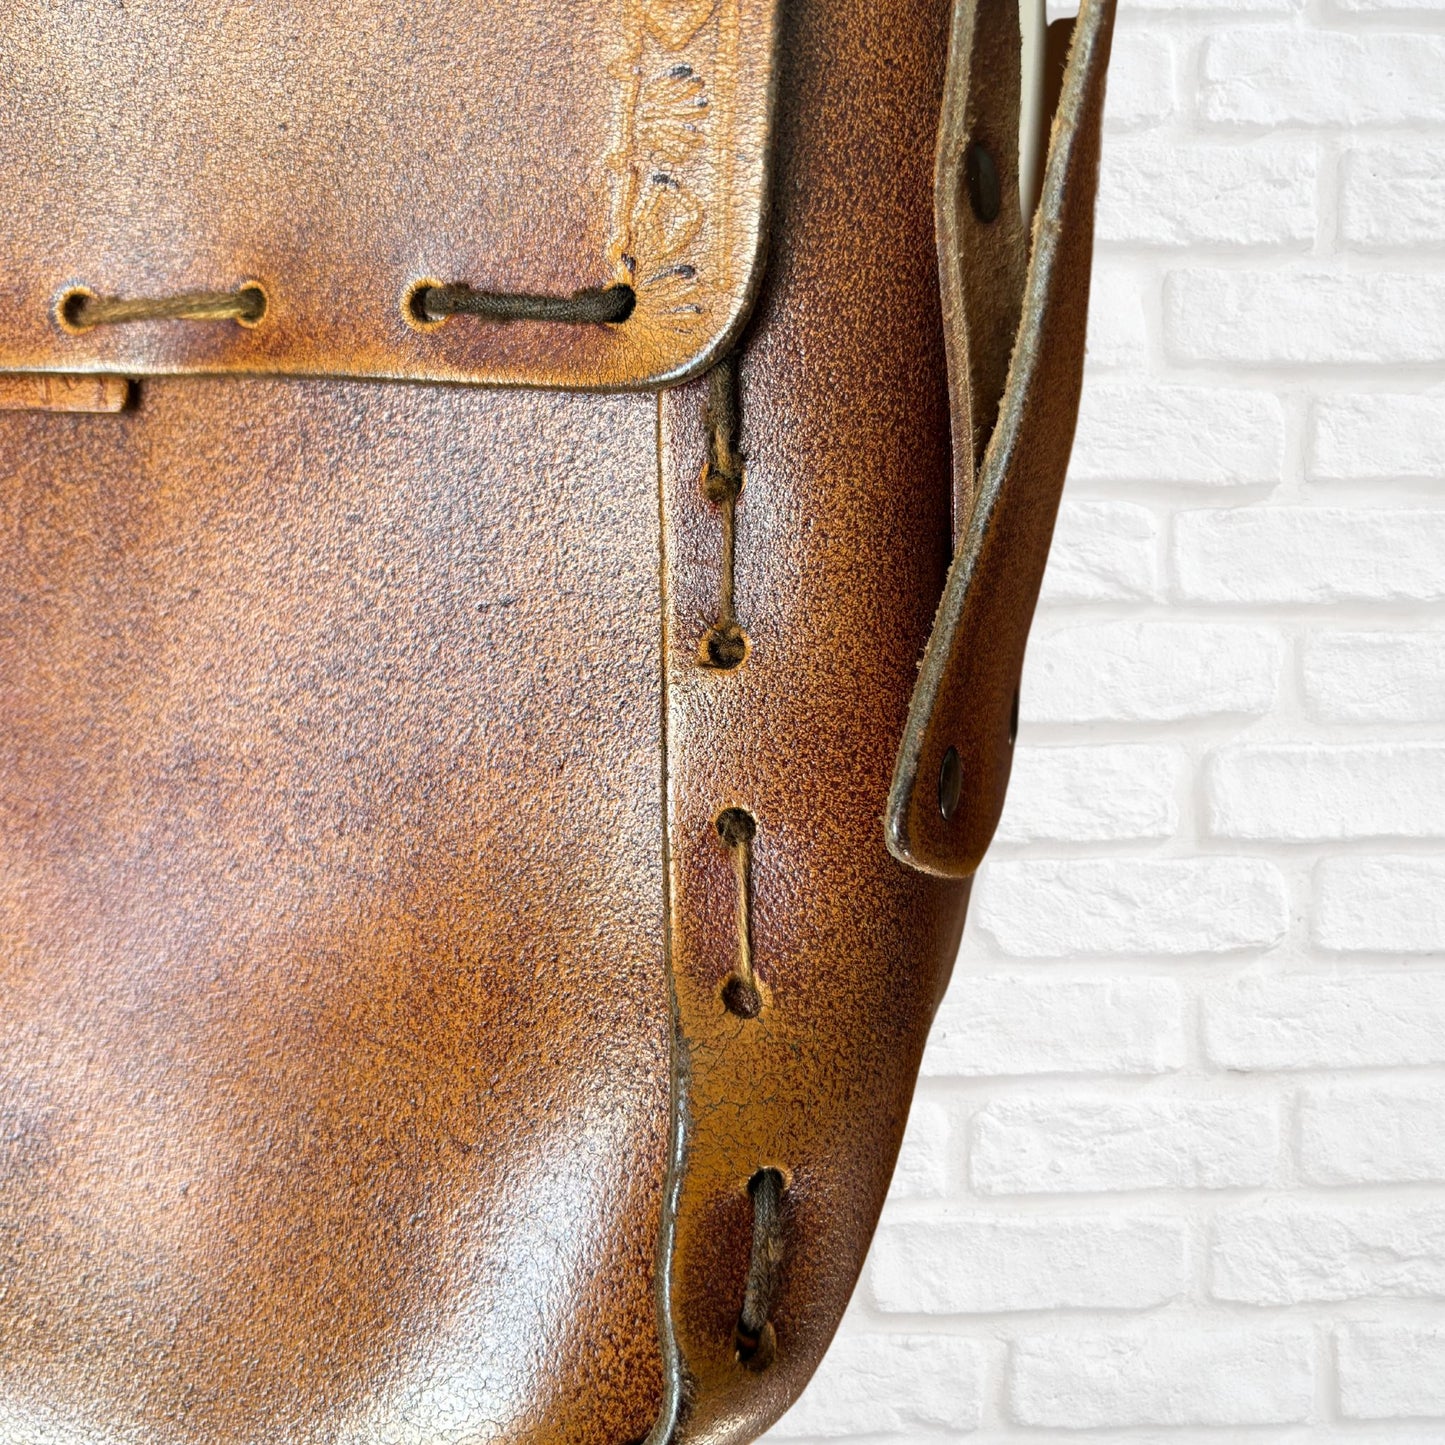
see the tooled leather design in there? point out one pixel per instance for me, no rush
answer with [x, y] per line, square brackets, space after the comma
[678, 70]
[46, 391]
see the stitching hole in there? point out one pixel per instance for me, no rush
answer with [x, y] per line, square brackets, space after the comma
[724, 647]
[950, 784]
[253, 304]
[757, 1352]
[413, 306]
[736, 826]
[70, 309]
[741, 997]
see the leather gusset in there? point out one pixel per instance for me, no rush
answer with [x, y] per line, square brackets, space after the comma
[337, 155]
[841, 551]
[335, 1040]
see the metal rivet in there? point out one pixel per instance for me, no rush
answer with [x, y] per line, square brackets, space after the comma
[981, 176]
[950, 784]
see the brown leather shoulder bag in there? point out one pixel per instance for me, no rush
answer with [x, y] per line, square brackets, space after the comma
[479, 852]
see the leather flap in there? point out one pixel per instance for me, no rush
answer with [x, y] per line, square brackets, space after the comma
[337, 157]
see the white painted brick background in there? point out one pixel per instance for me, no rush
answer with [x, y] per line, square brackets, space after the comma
[1176, 1168]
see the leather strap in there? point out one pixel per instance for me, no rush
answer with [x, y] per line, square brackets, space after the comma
[957, 750]
[982, 242]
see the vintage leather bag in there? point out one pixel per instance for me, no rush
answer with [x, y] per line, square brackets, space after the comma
[519, 523]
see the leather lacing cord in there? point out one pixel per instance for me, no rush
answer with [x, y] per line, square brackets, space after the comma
[724, 647]
[725, 644]
[80, 309]
[608, 306]
[737, 828]
[754, 1336]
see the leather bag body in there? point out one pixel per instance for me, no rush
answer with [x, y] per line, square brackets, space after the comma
[487, 801]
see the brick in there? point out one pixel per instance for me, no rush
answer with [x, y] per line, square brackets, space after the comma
[1391, 1371]
[1278, 7]
[1377, 438]
[1392, 197]
[982, 1263]
[1380, 905]
[1004, 1024]
[1048, 908]
[1375, 676]
[1309, 554]
[1304, 316]
[1092, 794]
[1373, 1133]
[1170, 193]
[1276, 77]
[1163, 1376]
[1141, 80]
[1118, 334]
[1300, 791]
[879, 1384]
[922, 1168]
[1064, 1143]
[1149, 672]
[1288, 1252]
[1185, 435]
[1103, 552]
[1326, 1021]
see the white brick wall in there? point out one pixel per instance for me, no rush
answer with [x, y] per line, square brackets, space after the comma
[1176, 1169]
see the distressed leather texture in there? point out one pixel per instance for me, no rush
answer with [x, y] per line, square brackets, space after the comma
[368, 1072]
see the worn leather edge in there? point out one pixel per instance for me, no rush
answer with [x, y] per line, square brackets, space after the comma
[966, 695]
[674, 1378]
[981, 268]
[674, 1372]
